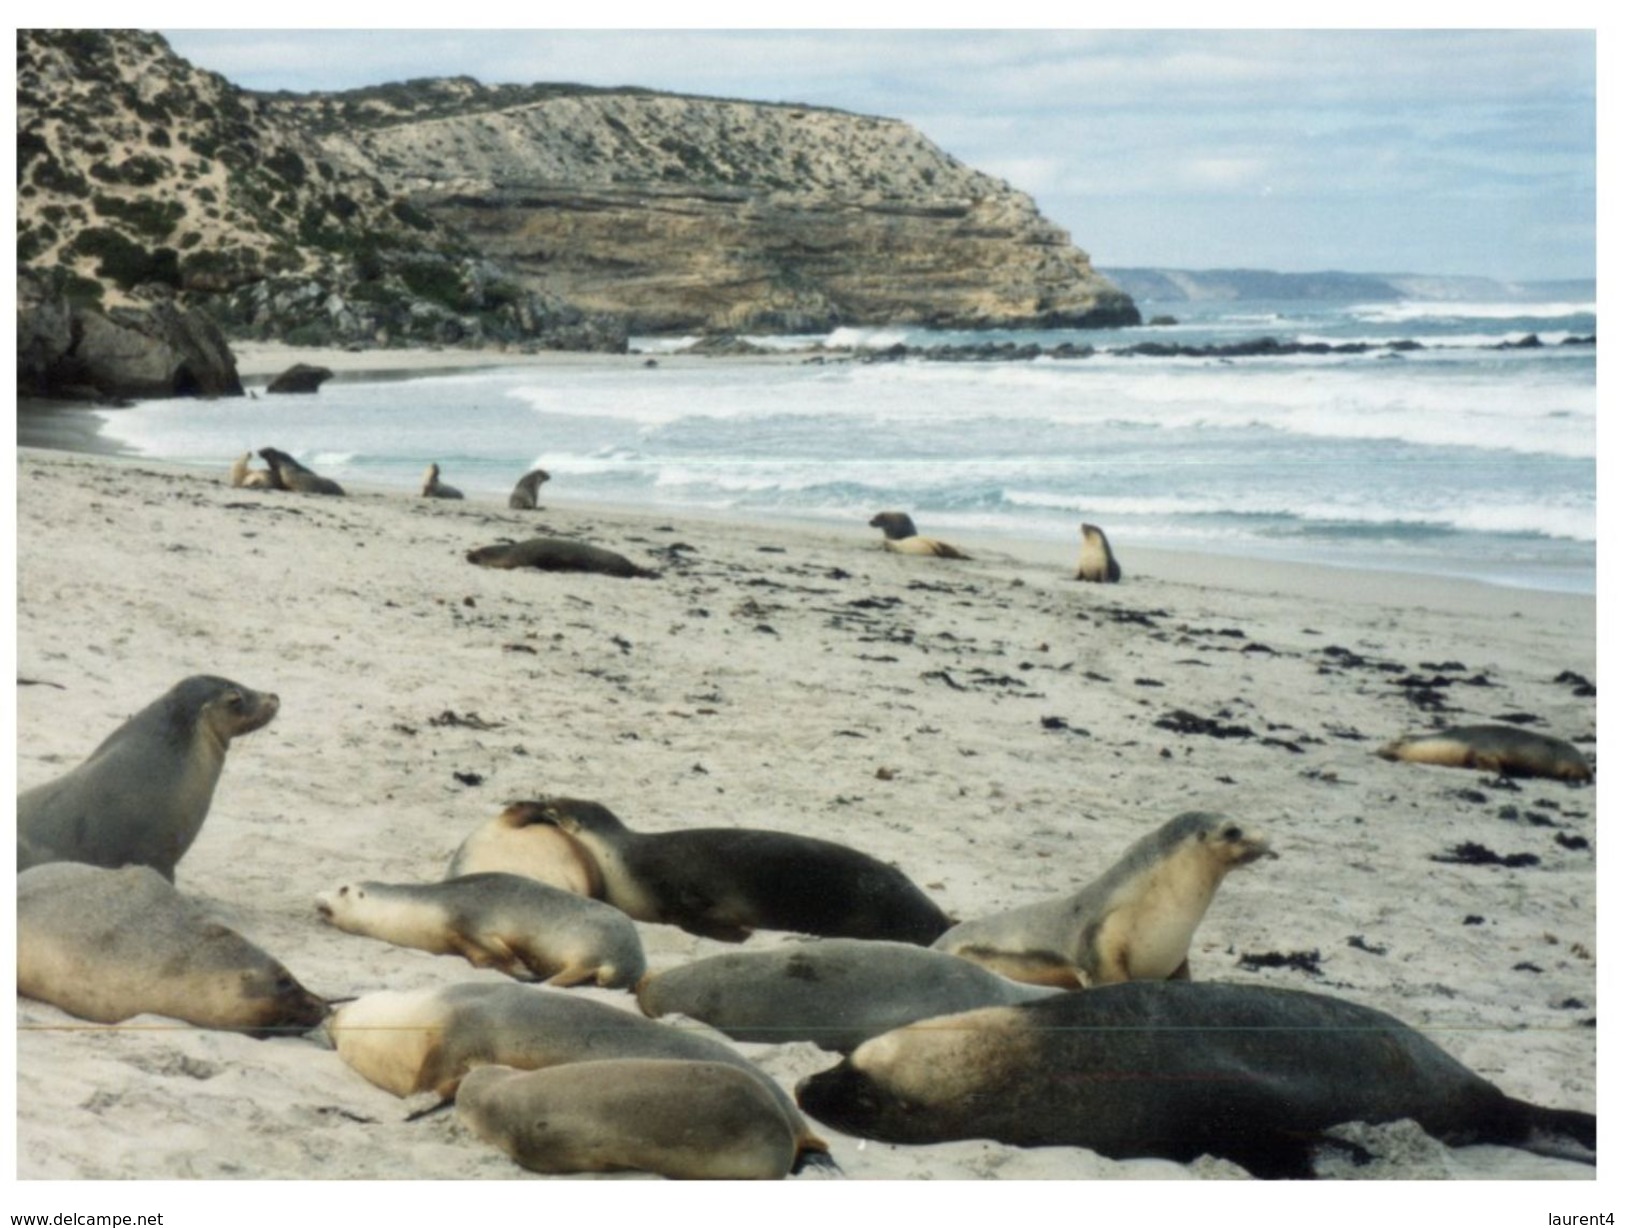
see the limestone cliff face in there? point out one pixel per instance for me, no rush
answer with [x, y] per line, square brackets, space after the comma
[684, 213]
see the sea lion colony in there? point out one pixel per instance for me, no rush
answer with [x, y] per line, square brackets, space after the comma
[870, 989]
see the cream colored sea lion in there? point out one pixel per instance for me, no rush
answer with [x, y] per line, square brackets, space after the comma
[558, 554]
[289, 474]
[106, 945]
[834, 992]
[1097, 562]
[427, 1040]
[252, 479]
[1133, 923]
[434, 488]
[690, 1120]
[1248, 1073]
[724, 882]
[1503, 749]
[902, 538]
[142, 795]
[512, 843]
[504, 921]
[524, 492]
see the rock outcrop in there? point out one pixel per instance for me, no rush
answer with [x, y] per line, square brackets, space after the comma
[683, 213]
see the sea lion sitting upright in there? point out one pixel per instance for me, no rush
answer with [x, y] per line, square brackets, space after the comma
[291, 475]
[1133, 923]
[1249, 1073]
[434, 488]
[142, 795]
[902, 538]
[559, 554]
[1097, 562]
[1503, 749]
[252, 479]
[504, 921]
[687, 1120]
[834, 992]
[524, 492]
[109, 944]
[512, 844]
[723, 883]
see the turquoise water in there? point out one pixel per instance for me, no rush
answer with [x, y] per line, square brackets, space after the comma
[1455, 459]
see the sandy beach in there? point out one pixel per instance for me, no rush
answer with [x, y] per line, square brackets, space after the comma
[995, 729]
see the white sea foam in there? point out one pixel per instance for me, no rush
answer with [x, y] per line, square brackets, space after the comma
[1409, 312]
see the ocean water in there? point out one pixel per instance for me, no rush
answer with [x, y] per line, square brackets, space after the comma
[1456, 459]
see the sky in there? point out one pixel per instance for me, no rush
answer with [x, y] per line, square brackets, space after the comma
[1422, 151]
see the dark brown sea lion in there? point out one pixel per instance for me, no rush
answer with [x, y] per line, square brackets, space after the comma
[723, 883]
[559, 554]
[524, 492]
[1096, 562]
[902, 538]
[109, 944]
[1503, 749]
[291, 475]
[1134, 922]
[1177, 1070]
[142, 795]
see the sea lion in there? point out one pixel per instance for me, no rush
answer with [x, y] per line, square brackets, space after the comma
[106, 945]
[512, 844]
[252, 479]
[723, 882]
[1134, 922]
[142, 795]
[427, 1040]
[1503, 749]
[902, 538]
[1097, 562]
[504, 921]
[434, 488]
[524, 492]
[558, 554]
[1249, 1073]
[289, 474]
[681, 1119]
[834, 992]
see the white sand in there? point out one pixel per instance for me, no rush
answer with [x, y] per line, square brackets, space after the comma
[766, 680]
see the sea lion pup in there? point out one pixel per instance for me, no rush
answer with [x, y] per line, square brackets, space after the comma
[1097, 562]
[427, 1040]
[524, 492]
[558, 554]
[1133, 923]
[504, 921]
[834, 992]
[902, 538]
[106, 945]
[512, 844]
[686, 1120]
[289, 474]
[1503, 749]
[725, 882]
[434, 488]
[252, 479]
[142, 795]
[1249, 1073]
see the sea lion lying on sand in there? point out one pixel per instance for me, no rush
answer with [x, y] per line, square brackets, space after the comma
[291, 475]
[902, 538]
[1503, 749]
[559, 554]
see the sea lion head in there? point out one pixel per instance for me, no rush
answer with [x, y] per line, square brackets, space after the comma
[895, 525]
[570, 815]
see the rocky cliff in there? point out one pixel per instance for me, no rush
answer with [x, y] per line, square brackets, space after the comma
[688, 213]
[451, 212]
